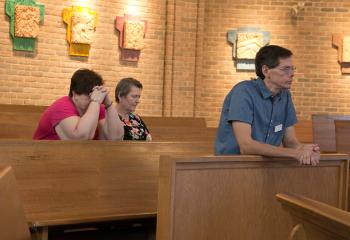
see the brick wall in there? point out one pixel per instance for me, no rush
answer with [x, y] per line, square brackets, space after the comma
[41, 77]
[186, 66]
[319, 86]
[181, 57]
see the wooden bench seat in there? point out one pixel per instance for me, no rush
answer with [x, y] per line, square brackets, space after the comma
[233, 197]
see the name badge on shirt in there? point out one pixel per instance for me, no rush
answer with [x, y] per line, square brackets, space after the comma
[278, 128]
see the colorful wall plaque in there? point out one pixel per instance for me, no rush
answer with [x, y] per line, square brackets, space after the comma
[81, 26]
[25, 17]
[132, 31]
[246, 43]
[343, 44]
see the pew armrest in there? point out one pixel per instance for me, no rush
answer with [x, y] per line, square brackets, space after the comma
[316, 214]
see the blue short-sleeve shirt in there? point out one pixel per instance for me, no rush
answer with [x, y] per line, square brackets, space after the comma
[251, 102]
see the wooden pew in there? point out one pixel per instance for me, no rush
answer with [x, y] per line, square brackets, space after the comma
[315, 220]
[233, 197]
[20, 121]
[183, 134]
[342, 140]
[18, 110]
[17, 130]
[303, 130]
[13, 224]
[72, 182]
[324, 131]
[179, 122]
[13, 108]
[342, 137]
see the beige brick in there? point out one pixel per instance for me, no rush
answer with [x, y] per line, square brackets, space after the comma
[198, 71]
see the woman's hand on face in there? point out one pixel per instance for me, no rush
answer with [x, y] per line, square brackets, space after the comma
[98, 94]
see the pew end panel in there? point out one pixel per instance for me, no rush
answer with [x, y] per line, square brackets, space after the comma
[233, 197]
[315, 220]
[342, 132]
[13, 223]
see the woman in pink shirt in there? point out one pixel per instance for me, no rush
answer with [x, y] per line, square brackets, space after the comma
[86, 113]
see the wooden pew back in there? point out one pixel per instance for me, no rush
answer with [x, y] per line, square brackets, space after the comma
[13, 224]
[233, 197]
[324, 131]
[303, 130]
[68, 182]
[13, 108]
[178, 122]
[183, 134]
[20, 121]
[315, 220]
[342, 133]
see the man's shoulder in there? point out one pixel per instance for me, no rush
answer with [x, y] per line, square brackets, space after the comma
[62, 102]
[244, 87]
[245, 84]
[61, 105]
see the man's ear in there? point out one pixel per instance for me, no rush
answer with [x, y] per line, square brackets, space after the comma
[73, 95]
[265, 70]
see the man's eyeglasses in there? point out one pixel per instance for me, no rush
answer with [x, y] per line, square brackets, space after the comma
[288, 70]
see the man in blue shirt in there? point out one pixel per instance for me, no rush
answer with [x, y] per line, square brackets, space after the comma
[258, 116]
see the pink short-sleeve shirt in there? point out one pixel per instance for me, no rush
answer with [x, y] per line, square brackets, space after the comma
[54, 114]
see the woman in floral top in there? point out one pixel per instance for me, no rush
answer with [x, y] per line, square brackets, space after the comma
[127, 96]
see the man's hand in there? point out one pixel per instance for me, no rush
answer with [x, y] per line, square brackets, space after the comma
[107, 101]
[308, 154]
[98, 94]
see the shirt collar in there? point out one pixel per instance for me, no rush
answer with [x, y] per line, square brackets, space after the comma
[265, 92]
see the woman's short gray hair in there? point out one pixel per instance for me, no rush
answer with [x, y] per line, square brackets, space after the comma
[124, 86]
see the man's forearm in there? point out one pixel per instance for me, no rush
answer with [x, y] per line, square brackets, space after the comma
[88, 122]
[258, 148]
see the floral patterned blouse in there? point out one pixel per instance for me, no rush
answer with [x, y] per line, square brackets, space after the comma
[135, 128]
